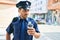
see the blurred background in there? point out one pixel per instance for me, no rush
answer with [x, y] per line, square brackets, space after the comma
[45, 12]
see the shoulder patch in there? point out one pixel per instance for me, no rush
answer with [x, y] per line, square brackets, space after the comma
[30, 19]
[15, 19]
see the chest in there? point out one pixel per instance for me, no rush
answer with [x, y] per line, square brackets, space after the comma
[20, 26]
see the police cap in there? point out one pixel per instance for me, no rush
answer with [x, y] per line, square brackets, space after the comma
[24, 4]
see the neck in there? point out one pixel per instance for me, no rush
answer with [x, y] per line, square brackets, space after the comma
[22, 17]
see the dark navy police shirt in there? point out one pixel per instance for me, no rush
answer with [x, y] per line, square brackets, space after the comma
[19, 28]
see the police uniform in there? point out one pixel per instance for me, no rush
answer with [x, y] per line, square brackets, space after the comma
[19, 26]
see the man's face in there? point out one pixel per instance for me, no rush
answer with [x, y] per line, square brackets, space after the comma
[23, 13]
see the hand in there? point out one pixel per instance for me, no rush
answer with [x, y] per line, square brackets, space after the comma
[31, 31]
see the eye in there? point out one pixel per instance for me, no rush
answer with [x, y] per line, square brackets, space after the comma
[26, 10]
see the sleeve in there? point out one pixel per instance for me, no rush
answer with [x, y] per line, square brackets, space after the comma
[36, 27]
[10, 28]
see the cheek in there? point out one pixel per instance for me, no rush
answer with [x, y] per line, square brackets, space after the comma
[22, 13]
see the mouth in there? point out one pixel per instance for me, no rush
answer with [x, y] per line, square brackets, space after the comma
[25, 15]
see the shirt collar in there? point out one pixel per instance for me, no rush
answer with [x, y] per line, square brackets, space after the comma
[23, 19]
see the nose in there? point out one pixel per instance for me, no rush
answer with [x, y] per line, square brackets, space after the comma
[27, 11]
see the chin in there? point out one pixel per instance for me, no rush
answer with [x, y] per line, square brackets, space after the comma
[25, 17]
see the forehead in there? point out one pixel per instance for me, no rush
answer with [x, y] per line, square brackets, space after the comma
[24, 9]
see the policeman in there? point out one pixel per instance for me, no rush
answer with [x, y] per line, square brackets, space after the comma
[19, 25]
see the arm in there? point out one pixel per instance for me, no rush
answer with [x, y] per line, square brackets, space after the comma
[10, 29]
[34, 30]
[37, 35]
[8, 36]
[33, 33]
[37, 32]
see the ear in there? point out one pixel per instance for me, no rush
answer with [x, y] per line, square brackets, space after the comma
[19, 10]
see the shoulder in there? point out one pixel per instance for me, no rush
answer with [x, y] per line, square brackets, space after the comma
[32, 20]
[15, 19]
